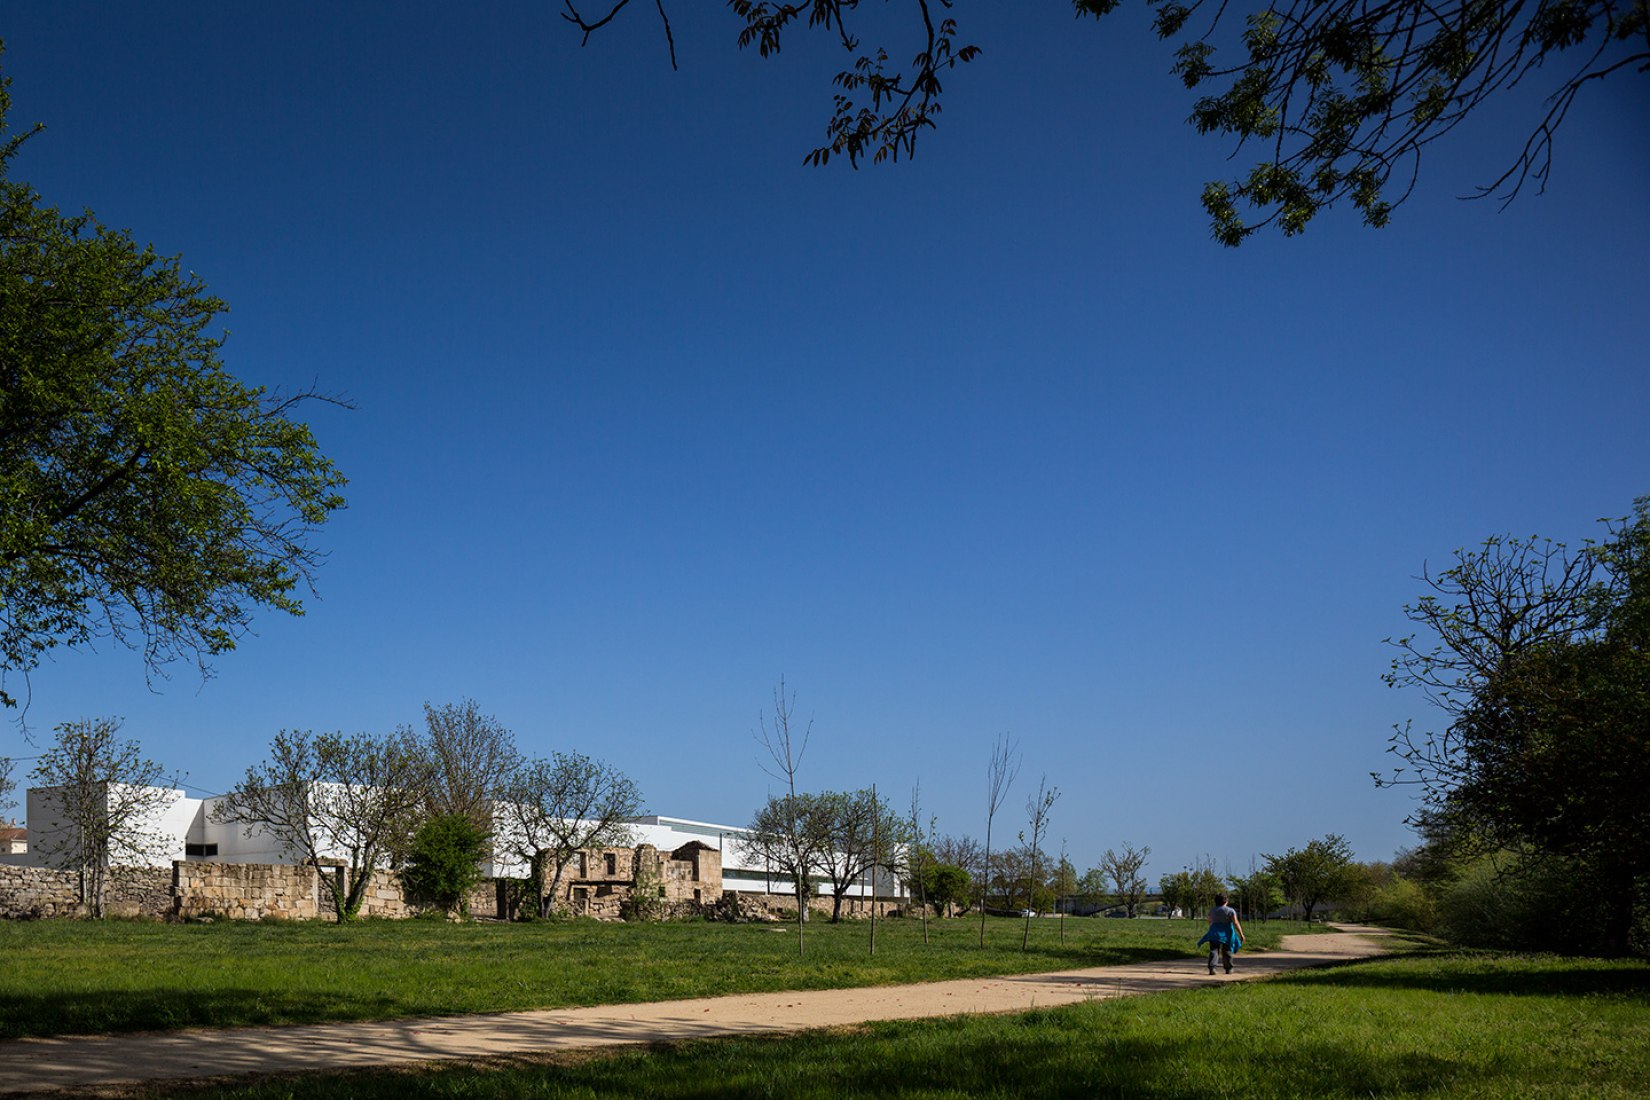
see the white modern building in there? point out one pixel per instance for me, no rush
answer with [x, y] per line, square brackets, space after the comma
[155, 836]
[184, 828]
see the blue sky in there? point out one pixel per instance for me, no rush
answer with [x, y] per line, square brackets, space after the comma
[995, 441]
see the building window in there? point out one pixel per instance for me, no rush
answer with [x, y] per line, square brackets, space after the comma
[612, 864]
[200, 850]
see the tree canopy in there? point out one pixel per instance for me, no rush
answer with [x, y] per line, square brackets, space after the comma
[146, 495]
[1322, 871]
[1338, 100]
[1539, 657]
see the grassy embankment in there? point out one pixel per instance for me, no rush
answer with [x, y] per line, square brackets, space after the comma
[1445, 1025]
[73, 977]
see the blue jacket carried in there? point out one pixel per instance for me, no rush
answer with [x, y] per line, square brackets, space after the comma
[1222, 933]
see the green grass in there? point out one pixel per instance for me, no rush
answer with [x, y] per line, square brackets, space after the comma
[78, 977]
[1440, 1025]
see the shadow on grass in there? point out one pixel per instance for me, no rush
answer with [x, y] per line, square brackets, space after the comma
[1535, 977]
[1037, 1058]
[110, 1011]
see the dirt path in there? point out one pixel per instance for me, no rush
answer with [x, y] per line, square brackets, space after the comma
[86, 1064]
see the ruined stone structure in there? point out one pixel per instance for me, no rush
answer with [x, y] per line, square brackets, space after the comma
[599, 884]
[604, 883]
[601, 881]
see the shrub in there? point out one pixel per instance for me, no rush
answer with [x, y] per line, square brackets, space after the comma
[1403, 903]
[444, 861]
[1506, 902]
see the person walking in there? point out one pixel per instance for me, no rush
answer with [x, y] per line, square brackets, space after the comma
[1225, 934]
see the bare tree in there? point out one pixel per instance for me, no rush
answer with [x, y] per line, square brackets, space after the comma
[472, 757]
[104, 794]
[922, 843]
[7, 784]
[1122, 871]
[555, 808]
[325, 797]
[1065, 884]
[999, 777]
[785, 748]
[1038, 807]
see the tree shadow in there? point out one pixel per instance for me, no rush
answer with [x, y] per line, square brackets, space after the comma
[24, 1015]
[1532, 978]
[1008, 1062]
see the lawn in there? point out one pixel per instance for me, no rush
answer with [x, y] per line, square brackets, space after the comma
[1444, 1025]
[78, 977]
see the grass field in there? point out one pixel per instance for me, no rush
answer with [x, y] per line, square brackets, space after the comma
[1443, 1025]
[80, 977]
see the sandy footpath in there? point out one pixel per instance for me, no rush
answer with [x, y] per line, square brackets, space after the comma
[86, 1064]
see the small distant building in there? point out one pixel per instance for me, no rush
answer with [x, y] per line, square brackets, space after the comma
[13, 841]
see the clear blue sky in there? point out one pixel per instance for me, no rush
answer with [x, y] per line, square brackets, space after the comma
[997, 440]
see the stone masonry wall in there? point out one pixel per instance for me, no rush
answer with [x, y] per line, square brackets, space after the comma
[38, 892]
[246, 891]
[138, 892]
[31, 892]
[685, 881]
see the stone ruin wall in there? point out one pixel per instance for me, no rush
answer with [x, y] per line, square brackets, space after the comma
[38, 892]
[688, 879]
[31, 893]
[247, 891]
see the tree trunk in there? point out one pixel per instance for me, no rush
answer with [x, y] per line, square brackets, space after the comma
[332, 877]
[547, 904]
[359, 878]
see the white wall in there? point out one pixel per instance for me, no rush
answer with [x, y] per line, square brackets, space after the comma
[162, 828]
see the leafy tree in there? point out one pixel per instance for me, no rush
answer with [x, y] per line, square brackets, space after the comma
[1177, 892]
[947, 886]
[554, 808]
[330, 797]
[858, 827]
[104, 795]
[967, 853]
[789, 833]
[148, 495]
[1339, 99]
[1256, 894]
[1121, 871]
[1094, 888]
[1064, 881]
[1542, 666]
[444, 860]
[1202, 885]
[1320, 872]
